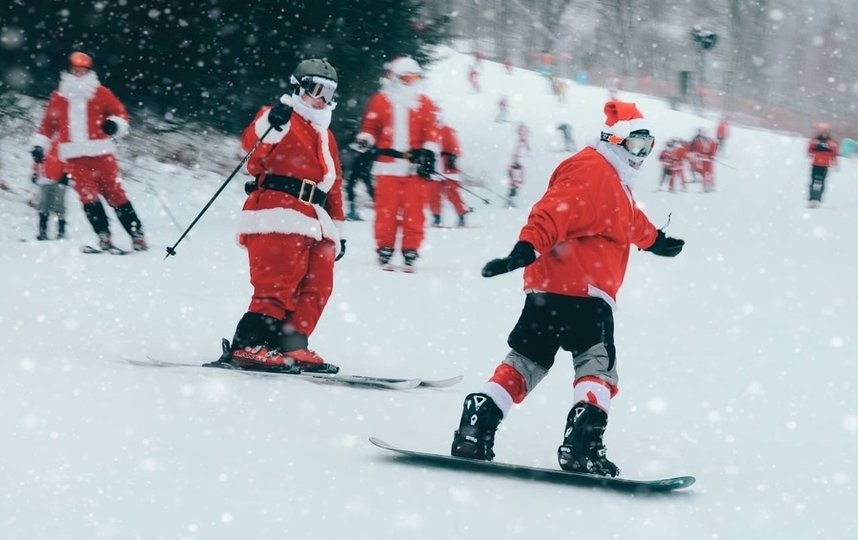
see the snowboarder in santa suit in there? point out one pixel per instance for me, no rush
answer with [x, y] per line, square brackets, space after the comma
[290, 224]
[822, 150]
[575, 247]
[399, 121]
[84, 117]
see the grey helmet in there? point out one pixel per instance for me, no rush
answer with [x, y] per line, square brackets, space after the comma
[314, 67]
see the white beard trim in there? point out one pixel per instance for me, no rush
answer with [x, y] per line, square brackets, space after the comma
[321, 118]
[74, 87]
[402, 94]
[626, 165]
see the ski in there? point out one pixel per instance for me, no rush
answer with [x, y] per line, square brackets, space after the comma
[89, 250]
[535, 473]
[323, 378]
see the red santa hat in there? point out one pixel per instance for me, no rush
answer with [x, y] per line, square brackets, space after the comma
[403, 65]
[622, 118]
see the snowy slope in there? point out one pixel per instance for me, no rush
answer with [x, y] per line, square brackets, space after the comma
[737, 362]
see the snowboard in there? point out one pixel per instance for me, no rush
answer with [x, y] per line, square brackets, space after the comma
[536, 473]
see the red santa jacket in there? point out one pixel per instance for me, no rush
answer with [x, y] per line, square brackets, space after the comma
[393, 122]
[583, 227]
[301, 150]
[449, 147]
[50, 170]
[703, 148]
[673, 158]
[74, 116]
[823, 151]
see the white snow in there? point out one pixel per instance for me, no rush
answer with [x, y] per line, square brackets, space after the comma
[737, 360]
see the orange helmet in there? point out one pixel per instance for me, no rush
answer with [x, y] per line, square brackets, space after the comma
[79, 59]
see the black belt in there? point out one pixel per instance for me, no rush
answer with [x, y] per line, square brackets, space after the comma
[393, 153]
[305, 190]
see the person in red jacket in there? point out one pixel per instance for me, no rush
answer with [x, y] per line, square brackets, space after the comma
[52, 181]
[84, 117]
[290, 224]
[575, 247]
[672, 159]
[722, 132]
[701, 156]
[822, 150]
[447, 183]
[399, 121]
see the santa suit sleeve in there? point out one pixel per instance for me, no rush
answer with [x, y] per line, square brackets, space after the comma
[49, 125]
[643, 233]
[565, 211]
[115, 111]
[250, 137]
[372, 125]
[334, 203]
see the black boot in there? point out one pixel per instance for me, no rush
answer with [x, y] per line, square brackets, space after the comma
[582, 450]
[253, 330]
[436, 220]
[384, 255]
[97, 217]
[61, 229]
[410, 256]
[132, 225]
[43, 227]
[475, 438]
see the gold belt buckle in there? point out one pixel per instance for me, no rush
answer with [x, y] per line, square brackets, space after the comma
[310, 192]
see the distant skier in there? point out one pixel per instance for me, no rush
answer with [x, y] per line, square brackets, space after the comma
[503, 110]
[522, 147]
[474, 77]
[722, 132]
[399, 121]
[447, 183]
[575, 246]
[515, 176]
[701, 156]
[567, 132]
[672, 159]
[83, 116]
[290, 224]
[822, 150]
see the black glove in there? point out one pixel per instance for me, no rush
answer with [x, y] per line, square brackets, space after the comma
[38, 154]
[250, 186]
[666, 246]
[451, 161]
[279, 115]
[425, 161]
[521, 255]
[110, 127]
[342, 249]
[64, 179]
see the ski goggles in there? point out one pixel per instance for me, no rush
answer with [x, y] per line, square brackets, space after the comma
[319, 88]
[409, 78]
[637, 144]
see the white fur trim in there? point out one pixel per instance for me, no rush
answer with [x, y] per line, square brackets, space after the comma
[433, 146]
[588, 389]
[403, 65]
[86, 148]
[274, 136]
[331, 175]
[279, 220]
[397, 167]
[401, 137]
[621, 160]
[623, 128]
[364, 136]
[499, 395]
[341, 227]
[122, 126]
[41, 140]
[599, 293]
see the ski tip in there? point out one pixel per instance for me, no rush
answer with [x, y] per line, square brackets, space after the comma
[381, 444]
[442, 383]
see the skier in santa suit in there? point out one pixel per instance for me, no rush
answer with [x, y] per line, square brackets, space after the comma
[822, 150]
[447, 183]
[575, 247]
[701, 155]
[290, 224]
[399, 121]
[84, 117]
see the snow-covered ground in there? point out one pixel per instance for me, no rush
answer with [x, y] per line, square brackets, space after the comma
[737, 361]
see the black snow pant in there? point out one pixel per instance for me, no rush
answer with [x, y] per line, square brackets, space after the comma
[817, 182]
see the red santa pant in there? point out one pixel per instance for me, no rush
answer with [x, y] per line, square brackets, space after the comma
[399, 202]
[707, 171]
[448, 188]
[292, 277]
[676, 174]
[94, 176]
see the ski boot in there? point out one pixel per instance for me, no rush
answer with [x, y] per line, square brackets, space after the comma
[436, 220]
[384, 255]
[138, 242]
[475, 438]
[410, 256]
[43, 227]
[61, 229]
[582, 450]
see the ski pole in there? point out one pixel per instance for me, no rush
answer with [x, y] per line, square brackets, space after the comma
[724, 164]
[172, 250]
[463, 188]
[163, 204]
